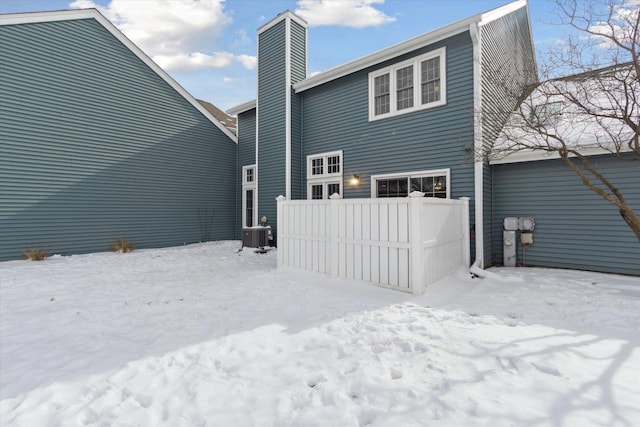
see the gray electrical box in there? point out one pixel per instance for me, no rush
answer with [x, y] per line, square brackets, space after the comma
[509, 248]
[510, 223]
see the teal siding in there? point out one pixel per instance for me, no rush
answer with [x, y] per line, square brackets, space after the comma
[507, 67]
[575, 228]
[247, 138]
[271, 119]
[336, 118]
[96, 146]
[487, 189]
[246, 154]
[298, 73]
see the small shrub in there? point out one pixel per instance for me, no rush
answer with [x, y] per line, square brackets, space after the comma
[122, 245]
[35, 254]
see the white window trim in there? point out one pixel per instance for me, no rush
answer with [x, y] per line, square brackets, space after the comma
[326, 178]
[417, 96]
[325, 186]
[324, 156]
[409, 175]
[249, 186]
[244, 175]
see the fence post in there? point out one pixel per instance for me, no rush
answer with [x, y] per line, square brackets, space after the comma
[334, 233]
[415, 241]
[466, 240]
[282, 246]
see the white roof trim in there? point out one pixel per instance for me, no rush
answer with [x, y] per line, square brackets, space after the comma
[537, 155]
[70, 15]
[407, 46]
[281, 17]
[250, 105]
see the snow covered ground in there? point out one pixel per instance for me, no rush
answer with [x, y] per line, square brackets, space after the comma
[204, 336]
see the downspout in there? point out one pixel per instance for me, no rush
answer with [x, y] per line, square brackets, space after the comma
[477, 267]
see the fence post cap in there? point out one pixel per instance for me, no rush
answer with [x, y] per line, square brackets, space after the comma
[281, 198]
[416, 194]
[335, 196]
[465, 198]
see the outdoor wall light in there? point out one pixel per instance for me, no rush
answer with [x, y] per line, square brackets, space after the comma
[355, 180]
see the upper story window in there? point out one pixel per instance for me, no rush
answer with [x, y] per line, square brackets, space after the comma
[408, 86]
[324, 175]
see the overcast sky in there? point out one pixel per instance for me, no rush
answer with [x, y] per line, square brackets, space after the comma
[209, 46]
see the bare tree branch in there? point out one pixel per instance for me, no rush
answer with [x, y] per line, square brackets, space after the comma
[595, 109]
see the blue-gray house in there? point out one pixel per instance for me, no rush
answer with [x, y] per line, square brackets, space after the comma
[97, 143]
[412, 117]
[398, 120]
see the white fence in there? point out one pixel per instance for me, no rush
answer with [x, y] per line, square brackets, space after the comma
[401, 243]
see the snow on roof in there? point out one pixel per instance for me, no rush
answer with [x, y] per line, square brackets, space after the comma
[584, 112]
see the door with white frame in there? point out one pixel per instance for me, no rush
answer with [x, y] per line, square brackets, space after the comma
[249, 196]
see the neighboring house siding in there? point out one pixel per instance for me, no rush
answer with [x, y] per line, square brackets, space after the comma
[96, 146]
[507, 66]
[298, 72]
[336, 118]
[271, 119]
[574, 227]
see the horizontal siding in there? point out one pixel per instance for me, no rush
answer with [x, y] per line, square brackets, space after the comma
[247, 138]
[487, 229]
[96, 146]
[507, 66]
[298, 52]
[575, 228]
[298, 73]
[246, 155]
[336, 118]
[271, 119]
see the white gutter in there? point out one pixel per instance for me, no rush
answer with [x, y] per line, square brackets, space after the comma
[287, 107]
[474, 31]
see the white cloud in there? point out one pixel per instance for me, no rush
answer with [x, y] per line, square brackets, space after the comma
[621, 26]
[178, 35]
[194, 61]
[345, 13]
[248, 61]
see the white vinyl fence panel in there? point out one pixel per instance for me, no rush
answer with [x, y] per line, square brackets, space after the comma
[401, 243]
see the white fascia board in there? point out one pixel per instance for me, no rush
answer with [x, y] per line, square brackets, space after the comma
[238, 109]
[537, 155]
[281, 17]
[406, 46]
[71, 15]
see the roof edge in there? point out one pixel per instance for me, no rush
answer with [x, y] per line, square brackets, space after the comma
[287, 14]
[70, 15]
[407, 46]
[250, 105]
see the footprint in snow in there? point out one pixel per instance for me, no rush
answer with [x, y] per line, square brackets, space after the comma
[396, 373]
[315, 380]
[550, 370]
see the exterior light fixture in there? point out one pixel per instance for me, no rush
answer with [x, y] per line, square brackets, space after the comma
[355, 180]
